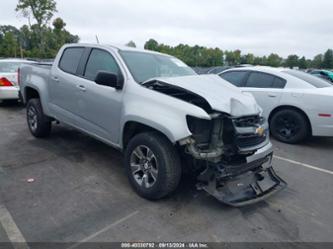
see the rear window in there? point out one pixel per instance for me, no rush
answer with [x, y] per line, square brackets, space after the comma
[279, 83]
[312, 80]
[70, 59]
[235, 77]
[9, 67]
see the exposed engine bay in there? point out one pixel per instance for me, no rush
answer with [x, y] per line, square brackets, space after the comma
[233, 154]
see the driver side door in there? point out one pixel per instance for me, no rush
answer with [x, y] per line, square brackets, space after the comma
[100, 106]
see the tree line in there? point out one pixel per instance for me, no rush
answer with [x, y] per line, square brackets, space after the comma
[210, 57]
[37, 39]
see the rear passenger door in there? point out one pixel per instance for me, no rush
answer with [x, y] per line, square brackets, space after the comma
[266, 88]
[63, 91]
[99, 106]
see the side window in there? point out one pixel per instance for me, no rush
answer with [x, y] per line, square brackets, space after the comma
[279, 83]
[236, 77]
[70, 59]
[100, 60]
[260, 80]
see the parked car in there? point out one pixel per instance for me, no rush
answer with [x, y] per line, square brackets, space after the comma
[324, 74]
[217, 70]
[9, 89]
[296, 104]
[161, 114]
[220, 69]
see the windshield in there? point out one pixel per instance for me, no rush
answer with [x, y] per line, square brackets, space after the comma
[9, 67]
[144, 66]
[312, 80]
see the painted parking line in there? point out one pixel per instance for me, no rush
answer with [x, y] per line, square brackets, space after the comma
[90, 237]
[304, 165]
[13, 232]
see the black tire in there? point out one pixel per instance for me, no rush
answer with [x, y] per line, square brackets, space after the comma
[289, 126]
[41, 127]
[167, 161]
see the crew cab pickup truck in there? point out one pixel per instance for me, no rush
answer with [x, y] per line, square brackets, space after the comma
[164, 117]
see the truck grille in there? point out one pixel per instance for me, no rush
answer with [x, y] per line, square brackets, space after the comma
[248, 121]
[244, 141]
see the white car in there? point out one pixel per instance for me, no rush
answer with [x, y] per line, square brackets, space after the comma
[9, 88]
[296, 104]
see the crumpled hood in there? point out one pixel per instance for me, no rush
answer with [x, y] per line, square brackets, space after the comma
[221, 95]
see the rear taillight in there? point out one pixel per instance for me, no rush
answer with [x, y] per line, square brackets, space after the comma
[18, 76]
[5, 82]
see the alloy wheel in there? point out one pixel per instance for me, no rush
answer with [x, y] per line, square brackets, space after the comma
[32, 118]
[144, 166]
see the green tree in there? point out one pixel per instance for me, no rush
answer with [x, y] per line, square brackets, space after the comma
[214, 57]
[317, 61]
[302, 63]
[59, 35]
[328, 59]
[131, 44]
[58, 24]
[233, 57]
[9, 46]
[247, 59]
[191, 55]
[151, 44]
[25, 42]
[292, 61]
[274, 60]
[41, 10]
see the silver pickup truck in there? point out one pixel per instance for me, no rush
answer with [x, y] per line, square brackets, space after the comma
[163, 116]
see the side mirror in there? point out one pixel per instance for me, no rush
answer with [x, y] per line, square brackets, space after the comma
[109, 79]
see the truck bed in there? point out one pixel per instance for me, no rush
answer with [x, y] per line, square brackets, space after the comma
[37, 74]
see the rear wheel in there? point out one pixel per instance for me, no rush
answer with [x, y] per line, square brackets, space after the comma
[152, 165]
[39, 124]
[289, 126]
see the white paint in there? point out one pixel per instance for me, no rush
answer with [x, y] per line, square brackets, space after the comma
[304, 165]
[13, 232]
[103, 230]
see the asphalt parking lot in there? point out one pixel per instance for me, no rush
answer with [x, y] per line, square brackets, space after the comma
[80, 193]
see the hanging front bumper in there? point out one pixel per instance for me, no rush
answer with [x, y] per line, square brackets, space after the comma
[242, 184]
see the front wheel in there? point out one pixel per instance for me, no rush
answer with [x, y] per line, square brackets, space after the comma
[289, 126]
[152, 164]
[39, 124]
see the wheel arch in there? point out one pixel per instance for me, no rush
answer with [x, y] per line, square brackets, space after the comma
[290, 107]
[132, 128]
[30, 93]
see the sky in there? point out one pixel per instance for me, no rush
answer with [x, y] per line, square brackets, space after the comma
[302, 27]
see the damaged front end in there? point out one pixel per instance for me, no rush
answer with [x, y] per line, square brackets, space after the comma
[230, 151]
[235, 157]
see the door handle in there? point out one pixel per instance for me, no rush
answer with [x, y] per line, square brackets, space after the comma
[272, 95]
[81, 87]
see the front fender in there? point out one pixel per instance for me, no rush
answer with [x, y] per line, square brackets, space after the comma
[174, 130]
